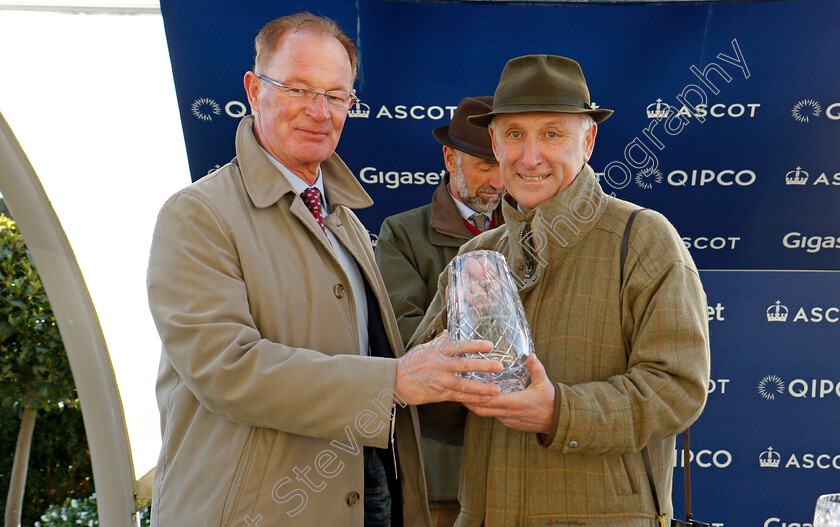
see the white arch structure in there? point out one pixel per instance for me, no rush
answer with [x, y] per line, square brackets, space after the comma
[80, 330]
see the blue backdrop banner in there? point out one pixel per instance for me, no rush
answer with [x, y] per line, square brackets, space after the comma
[727, 118]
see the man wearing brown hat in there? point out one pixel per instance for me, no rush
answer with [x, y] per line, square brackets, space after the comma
[621, 351]
[415, 246]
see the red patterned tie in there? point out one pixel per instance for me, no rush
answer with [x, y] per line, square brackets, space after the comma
[312, 197]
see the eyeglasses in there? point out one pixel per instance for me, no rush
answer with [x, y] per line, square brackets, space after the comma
[337, 99]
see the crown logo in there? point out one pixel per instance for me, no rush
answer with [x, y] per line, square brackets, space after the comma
[658, 110]
[796, 177]
[769, 458]
[777, 313]
[359, 109]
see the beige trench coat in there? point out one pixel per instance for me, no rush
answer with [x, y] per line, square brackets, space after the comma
[265, 399]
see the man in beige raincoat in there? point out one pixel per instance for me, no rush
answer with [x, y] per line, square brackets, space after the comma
[282, 397]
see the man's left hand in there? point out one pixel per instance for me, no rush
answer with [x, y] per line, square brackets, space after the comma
[529, 410]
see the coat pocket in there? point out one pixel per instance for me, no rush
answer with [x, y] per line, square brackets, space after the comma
[631, 475]
[243, 467]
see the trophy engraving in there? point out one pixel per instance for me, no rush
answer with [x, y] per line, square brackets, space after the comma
[483, 304]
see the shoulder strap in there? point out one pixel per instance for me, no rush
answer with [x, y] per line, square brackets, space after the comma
[625, 242]
[652, 483]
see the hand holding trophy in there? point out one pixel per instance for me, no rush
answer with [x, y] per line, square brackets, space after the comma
[483, 304]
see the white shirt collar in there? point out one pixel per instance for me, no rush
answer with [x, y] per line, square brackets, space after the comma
[298, 183]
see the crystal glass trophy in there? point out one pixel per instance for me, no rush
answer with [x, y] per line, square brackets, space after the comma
[827, 512]
[483, 304]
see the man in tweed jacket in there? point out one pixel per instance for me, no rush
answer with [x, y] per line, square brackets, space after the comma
[619, 365]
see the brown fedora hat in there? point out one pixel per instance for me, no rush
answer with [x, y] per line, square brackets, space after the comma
[541, 83]
[461, 135]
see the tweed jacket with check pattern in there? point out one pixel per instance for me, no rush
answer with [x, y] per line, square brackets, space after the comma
[625, 381]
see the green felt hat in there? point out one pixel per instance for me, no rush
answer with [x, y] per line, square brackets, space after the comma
[541, 83]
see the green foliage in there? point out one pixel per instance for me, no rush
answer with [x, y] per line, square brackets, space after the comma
[34, 371]
[74, 513]
[71, 514]
[59, 465]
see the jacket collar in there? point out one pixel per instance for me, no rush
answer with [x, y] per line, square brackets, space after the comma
[445, 216]
[265, 185]
[563, 220]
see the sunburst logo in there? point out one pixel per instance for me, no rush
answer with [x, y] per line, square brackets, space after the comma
[646, 177]
[771, 385]
[805, 109]
[205, 109]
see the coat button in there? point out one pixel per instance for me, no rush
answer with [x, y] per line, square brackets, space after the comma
[573, 444]
[352, 498]
[339, 291]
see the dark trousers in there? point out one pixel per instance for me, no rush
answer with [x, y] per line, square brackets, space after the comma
[377, 495]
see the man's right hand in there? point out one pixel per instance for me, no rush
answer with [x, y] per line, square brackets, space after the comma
[426, 374]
